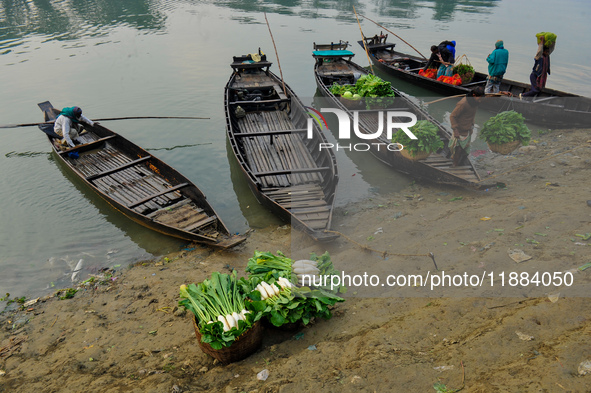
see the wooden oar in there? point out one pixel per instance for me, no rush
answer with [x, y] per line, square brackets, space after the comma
[363, 16]
[276, 55]
[363, 39]
[463, 95]
[108, 119]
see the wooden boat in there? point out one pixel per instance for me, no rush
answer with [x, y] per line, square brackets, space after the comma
[334, 65]
[551, 108]
[267, 129]
[139, 185]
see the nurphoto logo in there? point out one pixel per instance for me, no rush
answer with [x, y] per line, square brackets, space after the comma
[392, 123]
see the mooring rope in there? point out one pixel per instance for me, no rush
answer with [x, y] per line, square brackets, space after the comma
[384, 254]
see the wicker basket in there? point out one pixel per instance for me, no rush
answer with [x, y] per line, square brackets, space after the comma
[352, 104]
[504, 148]
[245, 345]
[421, 155]
[286, 327]
[467, 77]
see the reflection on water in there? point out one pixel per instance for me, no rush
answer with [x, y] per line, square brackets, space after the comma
[140, 57]
[73, 20]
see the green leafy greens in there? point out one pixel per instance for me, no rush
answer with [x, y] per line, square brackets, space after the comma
[506, 127]
[427, 140]
[292, 305]
[211, 301]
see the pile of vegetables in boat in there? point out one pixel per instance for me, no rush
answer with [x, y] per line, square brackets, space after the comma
[272, 283]
[374, 90]
[218, 305]
[455, 80]
[429, 73]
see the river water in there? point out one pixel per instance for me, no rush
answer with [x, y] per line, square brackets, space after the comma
[165, 58]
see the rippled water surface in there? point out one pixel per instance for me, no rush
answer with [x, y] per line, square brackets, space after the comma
[164, 58]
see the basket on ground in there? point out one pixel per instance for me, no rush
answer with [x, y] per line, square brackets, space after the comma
[504, 148]
[245, 345]
[420, 155]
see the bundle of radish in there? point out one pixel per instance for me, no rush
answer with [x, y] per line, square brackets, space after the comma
[219, 309]
[307, 269]
[273, 293]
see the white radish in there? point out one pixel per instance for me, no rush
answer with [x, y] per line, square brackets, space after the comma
[269, 289]
[306, 270]
[237, 317]
[263, 291]
[223, 320]
[284, 282]
[231, 321]
[304, 262]
[243, 314]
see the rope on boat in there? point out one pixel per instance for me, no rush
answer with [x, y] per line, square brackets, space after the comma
[384, 254]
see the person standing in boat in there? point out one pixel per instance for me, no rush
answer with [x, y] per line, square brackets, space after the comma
[462, 124]
[69, 123]
[497, 65]
[541, 70]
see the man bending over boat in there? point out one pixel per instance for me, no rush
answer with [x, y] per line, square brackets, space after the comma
[69, 123]
[462, 124]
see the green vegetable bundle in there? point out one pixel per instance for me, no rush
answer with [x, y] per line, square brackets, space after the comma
[375, 91]
[219, 308]
[506, 127]
[462, 69]
[271, 284]
[549, 38]
[427, 140]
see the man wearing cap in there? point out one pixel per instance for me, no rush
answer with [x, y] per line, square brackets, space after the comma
[68, 122]
[497, 65]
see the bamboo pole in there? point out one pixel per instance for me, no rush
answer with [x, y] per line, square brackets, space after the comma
[363, 40]
[397, 36]
[107, 119]
[463, 95]
[276, 55]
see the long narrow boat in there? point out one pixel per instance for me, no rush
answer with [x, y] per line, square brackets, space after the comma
[333, 65]
[267, 129]
[550, 107]
[142, 187]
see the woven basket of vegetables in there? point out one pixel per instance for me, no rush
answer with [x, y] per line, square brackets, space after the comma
[427, 142]
[224, 328]
[244, 345]
[291, 294]
[465, 71]
[503, 148]
[421, 155]
[504, 132]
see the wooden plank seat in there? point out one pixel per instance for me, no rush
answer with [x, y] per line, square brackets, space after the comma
[291, 171]
[87, 145]
[119, 168]
[177, 187]
[272, 132]
[259, 102]
[202, 223]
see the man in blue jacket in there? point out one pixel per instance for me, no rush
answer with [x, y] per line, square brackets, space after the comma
[497, 65]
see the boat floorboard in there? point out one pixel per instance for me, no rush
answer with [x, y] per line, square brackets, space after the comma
[137, 183]
[306, 202]
[276, 153]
